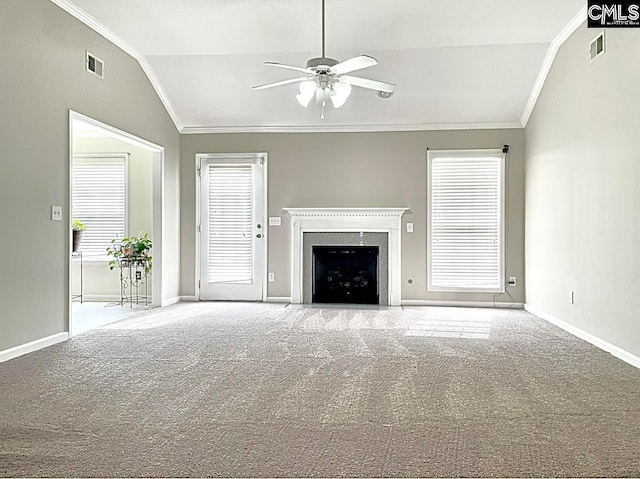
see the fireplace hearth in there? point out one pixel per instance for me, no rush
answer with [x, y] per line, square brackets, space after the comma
[345, 274]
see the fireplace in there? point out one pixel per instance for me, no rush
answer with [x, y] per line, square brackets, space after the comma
[345, 274]
[346, 227]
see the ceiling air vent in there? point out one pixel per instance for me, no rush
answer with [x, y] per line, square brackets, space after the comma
[95, 65]
[596, 48]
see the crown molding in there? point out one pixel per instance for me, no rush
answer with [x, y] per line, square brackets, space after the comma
[196, 130]
[557, 42]
[96, 26]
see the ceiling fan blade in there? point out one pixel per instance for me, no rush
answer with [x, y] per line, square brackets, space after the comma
[279, 83]
[288, 67]
[366, 83]
[353, 64]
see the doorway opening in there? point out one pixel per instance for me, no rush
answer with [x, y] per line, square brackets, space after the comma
[115, 193]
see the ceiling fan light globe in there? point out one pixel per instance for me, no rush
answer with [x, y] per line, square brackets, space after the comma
[337, 100]
[339, 94]
[304, 99]
[306, 92]
[342, 89]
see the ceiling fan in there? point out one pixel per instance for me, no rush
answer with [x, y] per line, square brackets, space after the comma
[326, 78]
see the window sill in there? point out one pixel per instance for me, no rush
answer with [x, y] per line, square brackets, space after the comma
[91, 260]
[465, 290]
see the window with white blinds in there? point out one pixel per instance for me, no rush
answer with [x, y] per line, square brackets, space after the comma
[230, 218]
[466, 210]
[99, 201]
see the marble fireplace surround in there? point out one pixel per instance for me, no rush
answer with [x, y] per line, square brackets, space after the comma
[353, 220]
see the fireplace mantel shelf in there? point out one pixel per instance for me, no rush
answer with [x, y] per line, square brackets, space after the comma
[312, 212]
[386, 220]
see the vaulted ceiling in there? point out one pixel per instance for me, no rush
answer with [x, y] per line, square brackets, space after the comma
[455, 62]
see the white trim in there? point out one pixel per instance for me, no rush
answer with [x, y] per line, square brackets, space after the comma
[385, 220]
[114, 132]
[171, 301]
[157, 193]
[556, 43]
[279, 299]
[195, 130]
[32, 346]
[188, 299]
[462, 304]
[97, 27]
[99, 298]
[619, 353]
[265, 227]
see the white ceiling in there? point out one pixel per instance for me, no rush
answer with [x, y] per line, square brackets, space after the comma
[454, 61]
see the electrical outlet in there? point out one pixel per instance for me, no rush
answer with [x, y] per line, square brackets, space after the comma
[56, 213]
[275, 221]
[572, 297]
[512, 281]
[409, 227]
[272, 277]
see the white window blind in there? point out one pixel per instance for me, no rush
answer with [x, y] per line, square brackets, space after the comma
[465, 224]
[230, 224]
[99, 201]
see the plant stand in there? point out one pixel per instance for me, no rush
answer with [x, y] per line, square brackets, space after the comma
[135, 275]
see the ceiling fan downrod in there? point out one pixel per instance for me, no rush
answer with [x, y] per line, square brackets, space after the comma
[323, 23]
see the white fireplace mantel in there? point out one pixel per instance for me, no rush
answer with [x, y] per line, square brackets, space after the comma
[385, 220]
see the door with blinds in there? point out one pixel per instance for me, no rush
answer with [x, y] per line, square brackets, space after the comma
[232, 258]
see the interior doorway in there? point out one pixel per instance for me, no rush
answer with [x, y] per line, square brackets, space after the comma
[116, 186]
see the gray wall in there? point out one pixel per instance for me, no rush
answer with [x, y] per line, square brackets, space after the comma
[100, 283]
[354, 170]
[583, 189]
[42, 76]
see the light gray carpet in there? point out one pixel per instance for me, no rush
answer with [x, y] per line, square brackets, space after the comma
[264, 390]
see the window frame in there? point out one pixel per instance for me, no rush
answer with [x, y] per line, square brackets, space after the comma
[104, 259]
[470, 153]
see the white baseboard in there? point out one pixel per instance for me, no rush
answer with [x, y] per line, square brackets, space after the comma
[99, 298]
[188, 299]
[279, 299]
[461, 304]
[32, 346]
[169, 302]
[619, 353]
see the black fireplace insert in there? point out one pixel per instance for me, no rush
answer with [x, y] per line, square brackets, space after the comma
[345, 274]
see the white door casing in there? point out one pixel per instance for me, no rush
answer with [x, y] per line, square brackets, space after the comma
[232, 243]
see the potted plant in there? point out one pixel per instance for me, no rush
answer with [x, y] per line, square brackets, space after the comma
[77, 227]
[131, 251]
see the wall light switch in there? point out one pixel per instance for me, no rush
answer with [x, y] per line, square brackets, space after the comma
[275, 221]
[409, 227]
[272, 277]
[512, 280]
[56, 213]
[572, 297]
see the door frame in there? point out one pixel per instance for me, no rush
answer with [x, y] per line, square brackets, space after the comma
[199, 160]
[158, 152]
